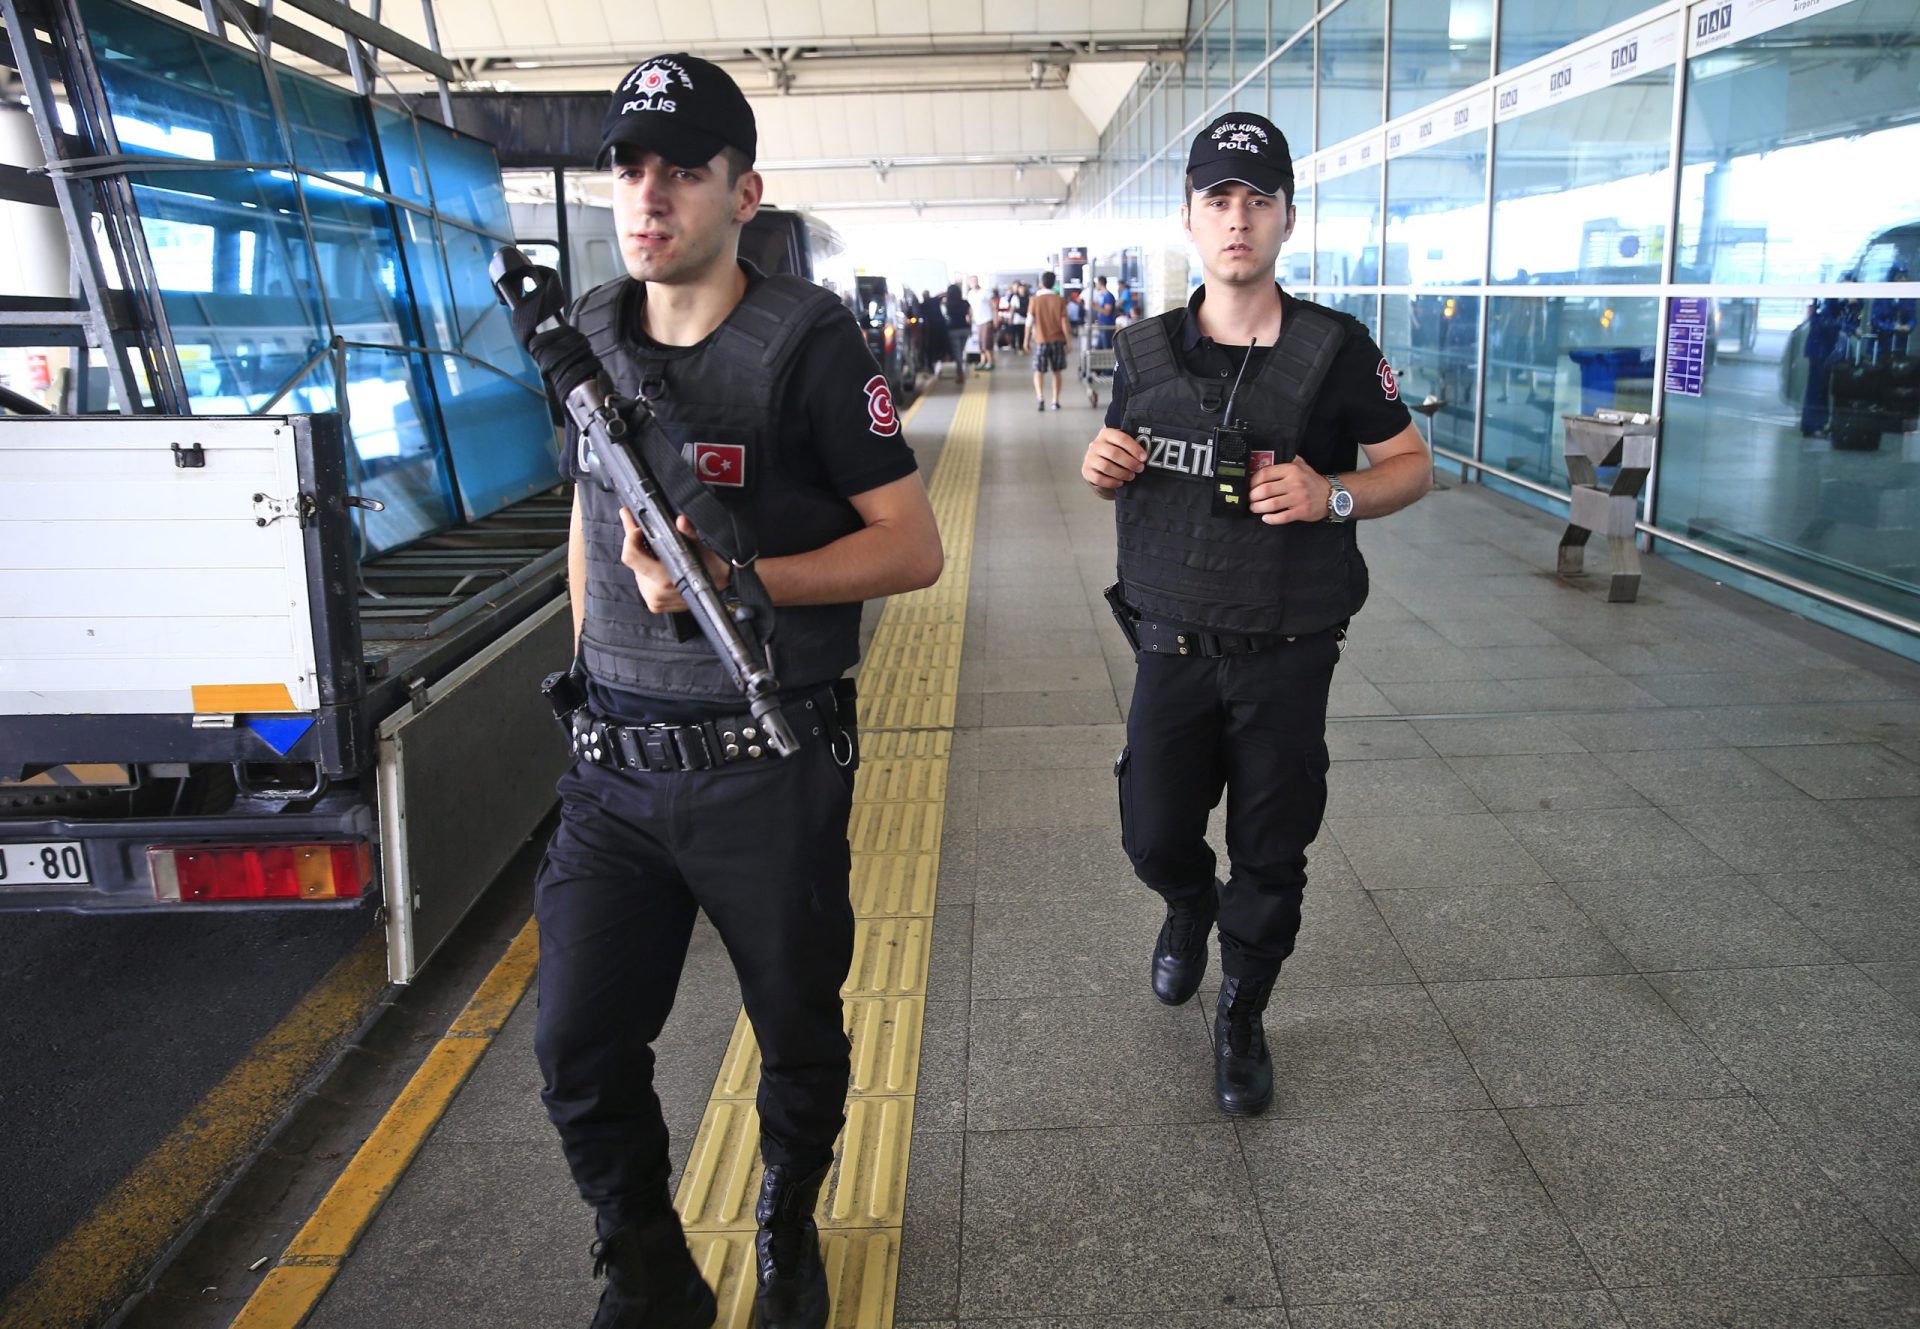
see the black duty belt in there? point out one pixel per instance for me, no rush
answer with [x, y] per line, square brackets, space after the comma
[709, 743]
[1166, 639]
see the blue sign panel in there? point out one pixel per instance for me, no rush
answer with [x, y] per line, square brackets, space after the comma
[1687, 326]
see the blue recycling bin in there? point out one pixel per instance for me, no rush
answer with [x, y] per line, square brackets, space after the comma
[1602, 368]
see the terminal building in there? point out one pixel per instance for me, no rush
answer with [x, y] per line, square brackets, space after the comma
[1606, 1007]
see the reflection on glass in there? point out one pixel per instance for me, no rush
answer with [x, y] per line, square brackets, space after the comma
[1580, 190]
[1353, 45]
[1287, 17]
[1439, 47]
[1220, 70]
[1528, 31]
[236, 280]
[1290, 94]
[1366, 308]
[1786, 146]
[1432, 342]
[175, 92]
[1437, 214]
[465, 176]
[492, 423]
[329, 131]
[1561, 356]
[1347, 241]
[1296, 256]
[1250, 46]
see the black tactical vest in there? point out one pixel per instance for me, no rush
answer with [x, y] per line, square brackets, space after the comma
[1180, 563]
[720, 403]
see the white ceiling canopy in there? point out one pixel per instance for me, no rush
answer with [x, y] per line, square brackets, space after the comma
[866, 108]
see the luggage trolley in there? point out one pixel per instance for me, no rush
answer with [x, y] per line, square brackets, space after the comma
[1094, 362]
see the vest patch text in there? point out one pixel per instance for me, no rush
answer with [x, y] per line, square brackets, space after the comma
[1182, 456]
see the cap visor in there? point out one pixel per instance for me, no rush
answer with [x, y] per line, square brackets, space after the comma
[677, 143]
[1251, 174]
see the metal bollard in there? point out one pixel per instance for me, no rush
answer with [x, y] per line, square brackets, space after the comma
[1607, 438]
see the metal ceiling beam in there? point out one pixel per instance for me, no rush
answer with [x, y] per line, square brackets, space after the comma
[1018, 160]
[376, 35]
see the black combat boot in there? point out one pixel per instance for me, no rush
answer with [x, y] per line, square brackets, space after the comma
[652, 1281]
[793, 1281]
[1180, 951]
[1242, 1069]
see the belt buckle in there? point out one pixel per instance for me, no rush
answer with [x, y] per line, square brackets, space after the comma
[695, 753]
[656, 741]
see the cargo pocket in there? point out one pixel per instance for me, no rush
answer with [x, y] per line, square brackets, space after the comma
[1123, 777]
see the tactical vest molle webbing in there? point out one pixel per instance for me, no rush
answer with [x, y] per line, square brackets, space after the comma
[720, 404]
[1179, 562]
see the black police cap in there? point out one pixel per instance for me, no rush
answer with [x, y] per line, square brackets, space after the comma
[1243, 147]
[682, 107]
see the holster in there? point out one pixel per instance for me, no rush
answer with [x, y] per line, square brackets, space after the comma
[1123, 614]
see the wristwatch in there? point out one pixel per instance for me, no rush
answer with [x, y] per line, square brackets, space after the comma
[1339, 500]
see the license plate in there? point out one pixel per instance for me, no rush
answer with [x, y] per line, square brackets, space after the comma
[49, 863]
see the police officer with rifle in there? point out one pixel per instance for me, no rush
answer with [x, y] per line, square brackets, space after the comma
[741, 486]
[1231, 455]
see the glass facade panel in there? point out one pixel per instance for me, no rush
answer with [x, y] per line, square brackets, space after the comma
[396, 450]
[1352, 69]
[1296, 255]
[1439, 47]
[1437, 214]
[1347, 240]
[1433, 344]
[1290, 94]
[1250, 48]
[465, 175]
[1580, 190]
[1792, 454]
[1554, 356]
[1529, 31]
[1220, 71]
[1286, 17]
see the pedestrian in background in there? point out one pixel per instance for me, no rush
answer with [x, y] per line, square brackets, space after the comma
[1047, 339]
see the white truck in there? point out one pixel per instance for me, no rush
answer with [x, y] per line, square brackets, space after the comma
[208, 701]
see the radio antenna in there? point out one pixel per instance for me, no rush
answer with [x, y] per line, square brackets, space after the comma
[1226, 416]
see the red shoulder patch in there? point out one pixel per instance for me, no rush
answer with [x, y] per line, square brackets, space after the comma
[1388, 383]
[880, 407]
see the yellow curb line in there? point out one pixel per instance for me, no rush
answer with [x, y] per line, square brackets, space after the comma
[295, 1285]
[98, 1263]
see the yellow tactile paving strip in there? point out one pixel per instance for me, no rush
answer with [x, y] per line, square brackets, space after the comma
[908, 689]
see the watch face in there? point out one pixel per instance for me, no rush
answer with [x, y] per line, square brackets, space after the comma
[1342, 503]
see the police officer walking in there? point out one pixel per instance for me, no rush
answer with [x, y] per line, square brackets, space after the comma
[1230, 453]
[767, 386]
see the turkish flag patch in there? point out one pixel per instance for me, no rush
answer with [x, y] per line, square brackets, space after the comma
[721, 464]
[1388, 383]
[880, 407]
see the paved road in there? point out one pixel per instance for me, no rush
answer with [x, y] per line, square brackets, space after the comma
[114, 1027]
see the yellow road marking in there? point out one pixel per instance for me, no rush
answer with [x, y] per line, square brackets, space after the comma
[908, 689]
[295, 1285]
[97, 1264]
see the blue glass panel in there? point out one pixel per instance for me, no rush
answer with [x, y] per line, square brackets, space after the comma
[178, 92]
[329, 131]
[359, 262]
[500, 433]
[465, 176]
[394, 446]
[400, 150]
[439, 323]
[236, 279]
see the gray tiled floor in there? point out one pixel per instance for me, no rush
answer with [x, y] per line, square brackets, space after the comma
[1605, 1011]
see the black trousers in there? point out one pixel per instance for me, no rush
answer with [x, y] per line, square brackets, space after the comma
[1255, 727]
[762, 849]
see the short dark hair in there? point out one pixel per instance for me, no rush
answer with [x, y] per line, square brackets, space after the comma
[1187, 180]
[1046, 279]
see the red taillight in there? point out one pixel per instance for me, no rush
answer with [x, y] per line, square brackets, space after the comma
[887, 335]
[196, 873]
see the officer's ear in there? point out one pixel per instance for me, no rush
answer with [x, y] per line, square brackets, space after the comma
[1292, 217]
[747, 193]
